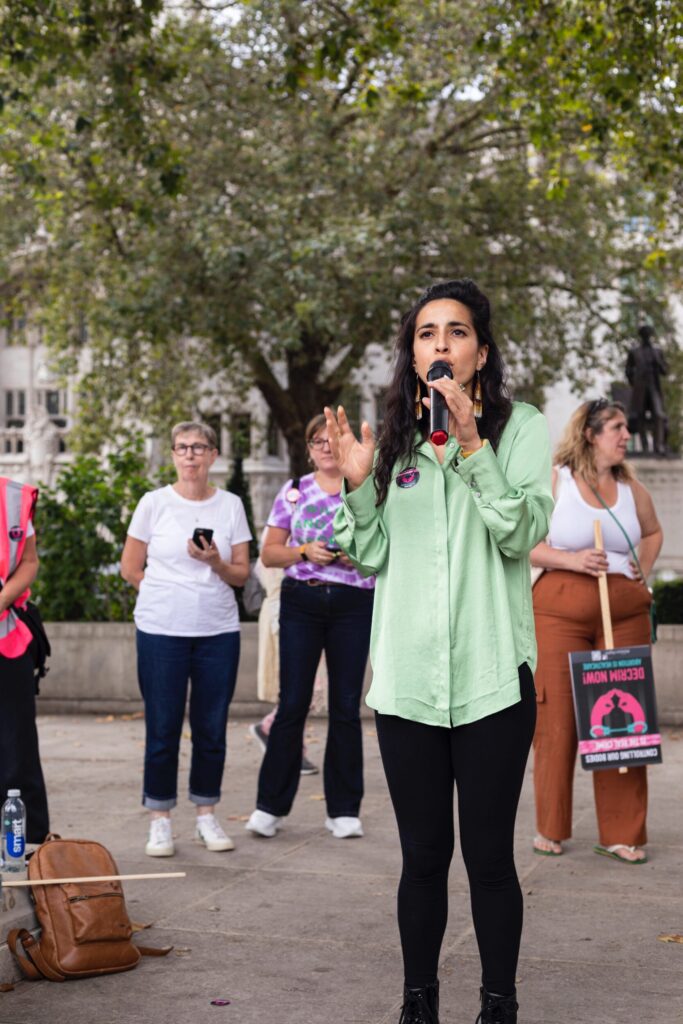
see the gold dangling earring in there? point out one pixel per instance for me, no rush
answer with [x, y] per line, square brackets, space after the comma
[477, 399]
[418, 399]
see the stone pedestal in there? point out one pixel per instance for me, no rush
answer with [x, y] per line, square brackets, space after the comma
[664, 480]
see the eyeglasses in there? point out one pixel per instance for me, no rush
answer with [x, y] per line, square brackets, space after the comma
[597, 406]
[319, 442]
[196, 449]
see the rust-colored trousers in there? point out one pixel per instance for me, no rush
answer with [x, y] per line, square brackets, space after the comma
[567, 613]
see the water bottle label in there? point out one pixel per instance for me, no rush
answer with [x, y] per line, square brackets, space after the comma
[15, 843]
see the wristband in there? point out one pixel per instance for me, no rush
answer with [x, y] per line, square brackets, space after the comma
[302, 552]
[466, 455]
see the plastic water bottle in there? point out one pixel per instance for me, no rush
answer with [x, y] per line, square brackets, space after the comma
[14, 832]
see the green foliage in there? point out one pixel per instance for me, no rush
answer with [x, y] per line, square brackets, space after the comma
[669, 597]
[255, 198]
[81, 528]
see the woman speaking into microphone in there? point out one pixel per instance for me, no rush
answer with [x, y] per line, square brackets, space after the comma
[448, 529]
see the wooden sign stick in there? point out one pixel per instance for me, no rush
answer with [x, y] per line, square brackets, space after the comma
[21, 883]
[604, 595]
[604, 605]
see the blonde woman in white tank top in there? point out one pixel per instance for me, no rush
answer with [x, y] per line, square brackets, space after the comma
[590, 461]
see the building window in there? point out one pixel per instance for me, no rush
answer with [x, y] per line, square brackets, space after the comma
[380, 408]
[213, 420]
[15, 408]
[55, 403]
[350, 399]
[240, 436]
[272, 437]
[13, 421]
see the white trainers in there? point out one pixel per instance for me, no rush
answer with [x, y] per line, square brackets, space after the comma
[344, 828]
[160, 842]
[263, 824]
[211, 834]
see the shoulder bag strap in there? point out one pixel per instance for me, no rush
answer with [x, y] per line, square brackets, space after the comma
[628, 539]
[653, 611]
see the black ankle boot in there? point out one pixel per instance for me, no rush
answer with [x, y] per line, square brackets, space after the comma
[497, 1009]
[420, 1005]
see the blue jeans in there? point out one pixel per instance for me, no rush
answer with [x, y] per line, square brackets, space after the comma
[165, 665]
[336, 619]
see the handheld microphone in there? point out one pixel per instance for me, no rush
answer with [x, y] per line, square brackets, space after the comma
[438, 410]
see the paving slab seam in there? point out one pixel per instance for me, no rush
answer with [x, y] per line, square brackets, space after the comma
[565, 961]
[633, 897]
[171, 929]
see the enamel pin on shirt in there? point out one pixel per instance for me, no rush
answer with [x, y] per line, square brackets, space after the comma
[408, 477]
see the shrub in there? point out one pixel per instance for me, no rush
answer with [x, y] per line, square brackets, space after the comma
[669, 597]
[81, 527]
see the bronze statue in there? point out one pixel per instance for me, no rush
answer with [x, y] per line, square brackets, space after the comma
[645, 366]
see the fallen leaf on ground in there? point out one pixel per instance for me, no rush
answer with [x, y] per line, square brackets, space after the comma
[670, 938]
[140, 926]
[182, 951]
[132, 716]
[317, 796]
[107, 718]
[239, 817]
[370, 732]
[213, 909]
[187, 735]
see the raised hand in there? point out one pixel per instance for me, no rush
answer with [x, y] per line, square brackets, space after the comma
[354, 458]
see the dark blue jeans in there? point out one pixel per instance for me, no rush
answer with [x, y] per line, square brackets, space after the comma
[336, 619]
[165, 665]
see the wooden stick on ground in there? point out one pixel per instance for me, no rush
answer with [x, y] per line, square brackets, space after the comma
[604, 595]
[21, 883]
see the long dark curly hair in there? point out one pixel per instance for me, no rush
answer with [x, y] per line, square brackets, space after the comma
[398, 441]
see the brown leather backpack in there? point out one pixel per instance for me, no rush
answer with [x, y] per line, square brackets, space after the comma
[85, 928]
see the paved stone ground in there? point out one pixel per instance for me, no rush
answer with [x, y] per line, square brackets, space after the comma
[300, 929]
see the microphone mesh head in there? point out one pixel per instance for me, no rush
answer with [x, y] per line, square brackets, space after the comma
[439, 368]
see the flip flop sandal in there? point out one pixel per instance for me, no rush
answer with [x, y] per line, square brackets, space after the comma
[546, 853]
[611, 851]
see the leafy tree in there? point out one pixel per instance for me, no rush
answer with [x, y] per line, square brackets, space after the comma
[81, 528]
[279, 183]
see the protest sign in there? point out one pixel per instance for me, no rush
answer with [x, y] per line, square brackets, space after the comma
[614, 698]
[616, 714]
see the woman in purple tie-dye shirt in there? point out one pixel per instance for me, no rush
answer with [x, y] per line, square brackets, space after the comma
[326, 605]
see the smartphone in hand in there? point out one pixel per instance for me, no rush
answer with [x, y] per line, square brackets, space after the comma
[206, 533]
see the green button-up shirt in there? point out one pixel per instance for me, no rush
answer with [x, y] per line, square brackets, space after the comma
[453, 617]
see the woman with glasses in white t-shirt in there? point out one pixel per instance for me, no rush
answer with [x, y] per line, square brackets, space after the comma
[187, 548]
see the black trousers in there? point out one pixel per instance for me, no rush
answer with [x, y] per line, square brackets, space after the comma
[335, 619]
[19, 754]
[486, 760]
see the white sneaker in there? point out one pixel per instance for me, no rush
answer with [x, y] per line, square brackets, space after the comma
[160, 842]
[211, 834]
[263, 824]
[344, 828]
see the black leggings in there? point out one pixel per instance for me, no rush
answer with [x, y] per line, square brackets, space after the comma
[487, 760]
